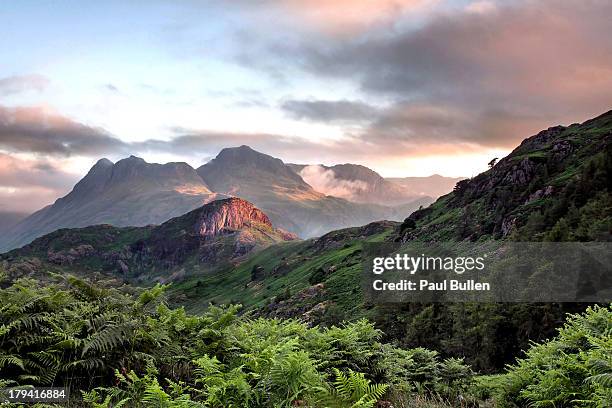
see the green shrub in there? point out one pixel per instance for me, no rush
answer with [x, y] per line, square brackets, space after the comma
[573, 369]
[124, 350]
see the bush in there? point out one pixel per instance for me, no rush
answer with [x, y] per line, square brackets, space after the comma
[573, 369]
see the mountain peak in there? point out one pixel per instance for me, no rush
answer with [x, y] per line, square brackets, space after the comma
[103, 162]
[132, 160]
[242, 151]
[236, 168]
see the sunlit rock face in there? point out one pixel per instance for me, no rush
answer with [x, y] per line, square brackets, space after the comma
[228, 215]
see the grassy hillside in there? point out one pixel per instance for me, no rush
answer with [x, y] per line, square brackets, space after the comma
[282, 272]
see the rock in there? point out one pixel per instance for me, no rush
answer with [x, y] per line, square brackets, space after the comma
[24, 268]
[316, 312]
[287, 236]
[68, 256]
[258, 273]
[228, 215]
[311, 291]
[541, 193]
[508, 225]
[521, 173]
[123, 267]
[561, 150]
[245, 242]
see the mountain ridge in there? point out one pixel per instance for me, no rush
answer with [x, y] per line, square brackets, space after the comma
[132, 192]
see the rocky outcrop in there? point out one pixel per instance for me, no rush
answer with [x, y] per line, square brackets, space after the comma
[228, 215]
[219, 231]
[541, 193]
[521, 173]
[68, 256]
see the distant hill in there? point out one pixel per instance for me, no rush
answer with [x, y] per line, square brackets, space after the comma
[130, 192]
[206, 238]
[361, 184]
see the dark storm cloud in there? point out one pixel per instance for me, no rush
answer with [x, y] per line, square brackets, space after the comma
[330, 111]
[527, 46]
[15, 172]
[21, 83]
[36, 130]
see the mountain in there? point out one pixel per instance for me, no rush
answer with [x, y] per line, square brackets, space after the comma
[130, 192]
[216, 234]
[8, 219]
[133, 192]
[431, 186]
[277, 189]
[356, 183]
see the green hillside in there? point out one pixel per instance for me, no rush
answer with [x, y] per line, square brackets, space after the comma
[281, 273]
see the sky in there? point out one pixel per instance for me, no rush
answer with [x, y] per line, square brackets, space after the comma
[405, 87]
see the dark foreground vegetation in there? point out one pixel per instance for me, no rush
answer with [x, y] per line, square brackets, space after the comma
[113, 348]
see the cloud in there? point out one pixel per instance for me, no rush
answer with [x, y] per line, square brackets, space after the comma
[532, 47]
[26, 185]
[325, 181]
[481, 7]
[42, 131]
[330, 111]
[22, 83]
[35, 130]
[489, 74]
[426, 125]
